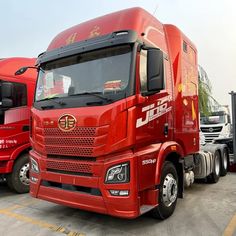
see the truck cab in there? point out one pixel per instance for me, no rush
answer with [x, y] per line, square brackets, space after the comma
[115, 125]
[115, 115]
[16, 96]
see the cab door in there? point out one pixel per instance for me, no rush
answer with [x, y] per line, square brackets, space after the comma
[154, 115]
[14, 115]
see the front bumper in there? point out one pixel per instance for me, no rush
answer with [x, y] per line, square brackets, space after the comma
[88, 192]
[6, 164]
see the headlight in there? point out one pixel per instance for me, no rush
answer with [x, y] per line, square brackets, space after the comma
[118, 174]
[224, 135]
[34, 165]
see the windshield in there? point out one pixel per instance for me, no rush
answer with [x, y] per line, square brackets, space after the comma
[105, 72]
[212, 120]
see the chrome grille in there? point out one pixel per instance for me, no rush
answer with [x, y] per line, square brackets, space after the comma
[211, 129]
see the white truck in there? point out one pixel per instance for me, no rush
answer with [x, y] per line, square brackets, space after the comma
[216, 125]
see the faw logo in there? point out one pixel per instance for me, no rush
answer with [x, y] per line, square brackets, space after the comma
[154, 111]
[67, 122]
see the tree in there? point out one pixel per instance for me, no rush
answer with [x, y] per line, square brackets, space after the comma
[206, 102]
[204, 95]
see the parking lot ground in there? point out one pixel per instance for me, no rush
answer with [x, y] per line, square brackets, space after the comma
[207, 209]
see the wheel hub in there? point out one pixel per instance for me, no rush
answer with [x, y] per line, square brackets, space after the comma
[24, 174]
[170, 190]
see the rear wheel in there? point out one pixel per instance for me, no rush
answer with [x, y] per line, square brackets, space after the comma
[215, 175]
[224, 163]
[168, 192]
[18, 180]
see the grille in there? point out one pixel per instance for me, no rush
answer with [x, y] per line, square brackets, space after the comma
[82, 131]
[69, 166]
[77, 158]
[211, 129]
[210, 136]
[71, 151]
[79, 142]
[69, 141]
[70, 187]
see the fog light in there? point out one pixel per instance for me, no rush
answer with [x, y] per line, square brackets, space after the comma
[124, 192]
[34, 166]
[119, 192]
[33, 179]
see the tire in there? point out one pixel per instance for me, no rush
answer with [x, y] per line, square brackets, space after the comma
[215, 175]
[224, 163]
[168, 192]
[18, 180]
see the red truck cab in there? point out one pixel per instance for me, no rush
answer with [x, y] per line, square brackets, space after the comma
[16, 96]
[115, 118]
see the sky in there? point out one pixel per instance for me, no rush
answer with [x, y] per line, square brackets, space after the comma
[28, 26]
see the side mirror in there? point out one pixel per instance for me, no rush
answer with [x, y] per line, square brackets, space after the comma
[7, 103]
[155, 70]
[21, 71]
[7, 90]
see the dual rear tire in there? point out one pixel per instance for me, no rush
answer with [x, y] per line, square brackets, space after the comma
[224, 162]
[215, 175]
[168, 192]
[220, 166]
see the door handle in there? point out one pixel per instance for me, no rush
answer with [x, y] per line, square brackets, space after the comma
[166, 129]
[25, 128]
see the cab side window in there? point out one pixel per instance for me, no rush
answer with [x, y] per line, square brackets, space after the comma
[17, 92]
[143, 71]
[1, 112]
[19, 95]
[12, 95]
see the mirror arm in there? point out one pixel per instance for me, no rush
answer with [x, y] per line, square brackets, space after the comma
[22, 70]
[145, 47]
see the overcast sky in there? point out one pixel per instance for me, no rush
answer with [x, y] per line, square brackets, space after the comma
[28, 26]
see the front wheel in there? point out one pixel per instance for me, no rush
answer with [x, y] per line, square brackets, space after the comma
[18, 180]
[168, 192]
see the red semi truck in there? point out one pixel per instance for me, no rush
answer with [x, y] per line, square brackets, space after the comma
[115, 125]
[16, 96]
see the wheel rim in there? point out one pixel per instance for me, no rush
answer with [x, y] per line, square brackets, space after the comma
[217, 164]
[169, 192]
[225, 161]
[24, 174]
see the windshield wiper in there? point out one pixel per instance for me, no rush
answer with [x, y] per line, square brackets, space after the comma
[47, 107]
[52, 99]
[95, 94]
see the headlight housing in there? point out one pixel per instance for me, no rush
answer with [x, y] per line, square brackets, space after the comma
[118, 174]
[34, 166]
